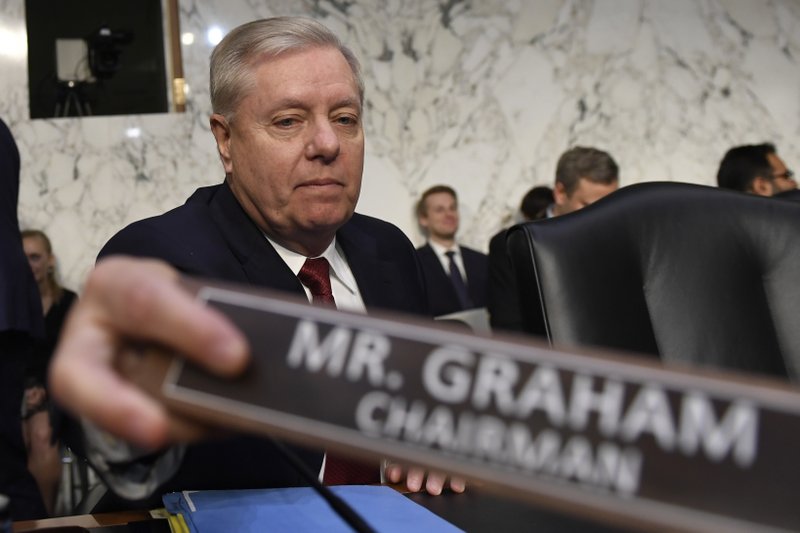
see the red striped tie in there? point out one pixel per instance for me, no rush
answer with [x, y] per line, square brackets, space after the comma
[315, 275]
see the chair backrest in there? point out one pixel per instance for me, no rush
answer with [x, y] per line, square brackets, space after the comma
[685, 272]
[792, 195]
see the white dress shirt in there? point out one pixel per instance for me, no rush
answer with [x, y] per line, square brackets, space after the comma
[343, 283]
[441, 253]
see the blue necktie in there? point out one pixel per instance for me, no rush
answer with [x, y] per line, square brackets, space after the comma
[458, 282]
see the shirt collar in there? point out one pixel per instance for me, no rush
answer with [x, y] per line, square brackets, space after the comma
[338, 264]
[442, 250]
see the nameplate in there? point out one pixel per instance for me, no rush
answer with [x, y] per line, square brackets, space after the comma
[611, 437]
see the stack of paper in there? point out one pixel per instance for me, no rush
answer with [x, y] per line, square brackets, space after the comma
[299, 510]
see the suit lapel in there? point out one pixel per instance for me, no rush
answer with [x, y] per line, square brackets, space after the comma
[373, 275]
[261, 265]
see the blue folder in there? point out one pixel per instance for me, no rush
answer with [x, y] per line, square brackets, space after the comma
[299, 510]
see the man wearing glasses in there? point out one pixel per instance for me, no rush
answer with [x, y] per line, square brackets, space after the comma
[755, 169]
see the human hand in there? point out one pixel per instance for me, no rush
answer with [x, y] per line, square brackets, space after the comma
[414, 477]
[129, 299]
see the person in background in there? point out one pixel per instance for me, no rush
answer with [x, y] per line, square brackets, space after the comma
[40, 418]
[21, 323]
[455, 275]
[535, 203]
[502, 300]
[287, 99]
[755, 169]
[56, 300]
[583, 176]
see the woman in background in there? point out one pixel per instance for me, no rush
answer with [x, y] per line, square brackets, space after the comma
[41, 423]
[56, 300]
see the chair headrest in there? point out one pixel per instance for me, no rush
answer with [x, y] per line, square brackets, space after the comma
[685, 271]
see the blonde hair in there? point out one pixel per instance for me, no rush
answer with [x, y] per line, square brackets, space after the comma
[56, 290]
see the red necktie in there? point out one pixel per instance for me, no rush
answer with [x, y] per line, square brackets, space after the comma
[315, 275]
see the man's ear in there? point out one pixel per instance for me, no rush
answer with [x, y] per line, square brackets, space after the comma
[559, 194]
[761, 186]
[422, 220]
[222, 133]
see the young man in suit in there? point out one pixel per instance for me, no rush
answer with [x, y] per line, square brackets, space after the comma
[287, 100]
[455, 275]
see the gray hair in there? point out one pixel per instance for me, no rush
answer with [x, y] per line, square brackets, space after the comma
[231, 60]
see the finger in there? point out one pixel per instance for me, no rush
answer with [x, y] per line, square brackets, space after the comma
[83, 381]
[435, 482]
[141, 299]
[185, 430]
[458, 484]
[146, 302]
[393, 472]
[414, 478]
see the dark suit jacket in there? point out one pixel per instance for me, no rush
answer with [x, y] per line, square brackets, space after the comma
[502, 299]
[442, 297]
[212, 236]
[20, 305]
[20, 321]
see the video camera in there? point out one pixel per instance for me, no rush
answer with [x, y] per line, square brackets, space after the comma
[104, 50]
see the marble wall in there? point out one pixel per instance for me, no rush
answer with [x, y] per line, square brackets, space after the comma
[482, 95]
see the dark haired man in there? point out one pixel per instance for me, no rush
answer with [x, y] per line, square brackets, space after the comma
[755, 169]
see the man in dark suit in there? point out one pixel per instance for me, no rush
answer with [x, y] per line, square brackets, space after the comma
[583, 176]
[21, 321]
[502, 300]
[755, 169]
[455, 275]
[287, 99]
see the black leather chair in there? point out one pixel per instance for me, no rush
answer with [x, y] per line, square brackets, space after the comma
[684, 272]
[792, 194]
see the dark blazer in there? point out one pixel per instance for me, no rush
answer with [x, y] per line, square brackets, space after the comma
[442, 297]
[212, 236]
[20, 305]
[20, 321]
[502, 298]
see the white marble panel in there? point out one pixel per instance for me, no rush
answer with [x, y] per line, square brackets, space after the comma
[483, 96]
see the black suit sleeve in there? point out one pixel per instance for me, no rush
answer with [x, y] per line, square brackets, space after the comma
[502, 299]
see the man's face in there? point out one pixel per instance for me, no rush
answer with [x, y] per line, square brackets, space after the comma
[441, 216]
[39, 258]
[294, 150]
[781, 176]
[585, 193]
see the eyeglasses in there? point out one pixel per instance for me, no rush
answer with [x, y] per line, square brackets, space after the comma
[785, 175]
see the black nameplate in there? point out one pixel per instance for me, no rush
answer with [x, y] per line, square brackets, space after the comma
[614, 437]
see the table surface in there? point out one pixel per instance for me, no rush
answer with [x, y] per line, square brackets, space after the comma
[475, 511]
